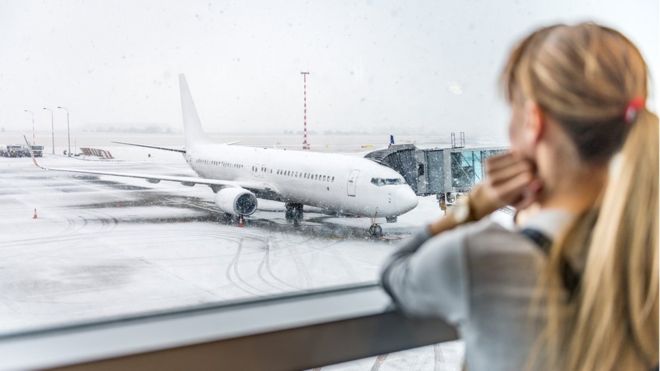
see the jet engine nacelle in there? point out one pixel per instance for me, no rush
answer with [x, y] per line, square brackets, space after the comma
[236, 201]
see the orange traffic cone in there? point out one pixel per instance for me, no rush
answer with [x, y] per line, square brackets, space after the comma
[34, 216]
[241, 221]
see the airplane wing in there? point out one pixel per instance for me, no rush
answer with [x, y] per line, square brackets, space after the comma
[257, 187]
[165, 148]
[154, 147]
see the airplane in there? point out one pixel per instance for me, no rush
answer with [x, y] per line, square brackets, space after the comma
[239, 175]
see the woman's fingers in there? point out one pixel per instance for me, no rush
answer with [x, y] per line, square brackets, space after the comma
[496, 162]
[503, 174]
[505, 159]
[510, 180]
[511, 191]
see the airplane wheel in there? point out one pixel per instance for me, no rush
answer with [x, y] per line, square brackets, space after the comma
[294, 213]
[297, 214]
[376, 231]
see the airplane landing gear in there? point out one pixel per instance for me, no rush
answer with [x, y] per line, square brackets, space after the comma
[390, 219]
[376, 231]
[294, 213]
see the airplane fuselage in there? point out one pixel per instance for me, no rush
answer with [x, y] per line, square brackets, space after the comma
[337, 182]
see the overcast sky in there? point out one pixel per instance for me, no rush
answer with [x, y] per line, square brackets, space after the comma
[381, 66]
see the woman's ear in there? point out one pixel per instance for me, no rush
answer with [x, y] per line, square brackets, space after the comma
[534, 123]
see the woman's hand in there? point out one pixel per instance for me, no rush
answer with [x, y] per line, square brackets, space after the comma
[510, 180]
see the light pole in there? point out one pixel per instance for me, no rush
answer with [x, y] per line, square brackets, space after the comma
[305, 141]
[52, 127]
[33, 135]
[68, 131]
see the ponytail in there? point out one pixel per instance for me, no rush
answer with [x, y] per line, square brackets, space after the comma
[612, 323]
[617, 315]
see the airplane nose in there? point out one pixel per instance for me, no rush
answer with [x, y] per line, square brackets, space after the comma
[407, 199]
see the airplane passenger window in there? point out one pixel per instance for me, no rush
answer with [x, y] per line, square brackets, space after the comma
[322, 85]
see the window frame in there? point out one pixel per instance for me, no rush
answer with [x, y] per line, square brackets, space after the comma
[292, 331]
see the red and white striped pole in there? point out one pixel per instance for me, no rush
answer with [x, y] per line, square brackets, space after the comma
[305, 141]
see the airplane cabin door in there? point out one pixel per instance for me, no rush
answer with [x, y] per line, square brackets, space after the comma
[258, 170]
[352, 182]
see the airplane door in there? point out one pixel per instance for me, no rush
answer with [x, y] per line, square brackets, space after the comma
[257, 170]
[352, 182]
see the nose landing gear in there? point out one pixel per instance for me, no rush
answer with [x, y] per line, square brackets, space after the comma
[376, 230]
[294, 213]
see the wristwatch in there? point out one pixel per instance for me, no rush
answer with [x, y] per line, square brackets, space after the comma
[462, 211]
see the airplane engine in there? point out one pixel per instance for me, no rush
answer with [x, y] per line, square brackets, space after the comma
[236, 201]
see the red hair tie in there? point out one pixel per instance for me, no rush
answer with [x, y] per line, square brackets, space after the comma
[633, 107]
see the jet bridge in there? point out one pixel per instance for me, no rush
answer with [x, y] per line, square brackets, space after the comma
[437, 171]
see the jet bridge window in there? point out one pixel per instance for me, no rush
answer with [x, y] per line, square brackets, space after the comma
[386, 181]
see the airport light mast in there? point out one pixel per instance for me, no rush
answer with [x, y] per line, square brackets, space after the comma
[33, 135]
[305, 141]
[52, 127]
[68, 131]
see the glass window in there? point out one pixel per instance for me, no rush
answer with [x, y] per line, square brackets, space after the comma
[103, 246]
[387, 181]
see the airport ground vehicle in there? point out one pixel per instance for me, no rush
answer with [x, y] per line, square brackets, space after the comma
[17, 150]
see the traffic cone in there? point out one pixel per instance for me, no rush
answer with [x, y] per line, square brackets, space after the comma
[34, 216]
[241, 221]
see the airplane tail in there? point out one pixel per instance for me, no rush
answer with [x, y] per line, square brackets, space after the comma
[192, 126]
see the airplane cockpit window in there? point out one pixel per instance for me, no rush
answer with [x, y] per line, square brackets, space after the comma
[387, 181]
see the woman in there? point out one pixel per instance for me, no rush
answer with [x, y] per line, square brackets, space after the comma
[575, 285]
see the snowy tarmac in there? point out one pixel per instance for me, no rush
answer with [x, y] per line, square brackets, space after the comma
[105, 247]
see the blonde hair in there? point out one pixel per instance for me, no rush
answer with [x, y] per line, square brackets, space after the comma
[585, 76]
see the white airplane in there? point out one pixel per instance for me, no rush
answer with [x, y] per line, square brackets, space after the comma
[239, 175]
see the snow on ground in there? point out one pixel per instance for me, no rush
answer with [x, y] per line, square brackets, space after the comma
[105, 247]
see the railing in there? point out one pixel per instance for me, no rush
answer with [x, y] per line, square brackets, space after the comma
[296, 331]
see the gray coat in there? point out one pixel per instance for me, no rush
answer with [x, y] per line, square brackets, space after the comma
[480, 277]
